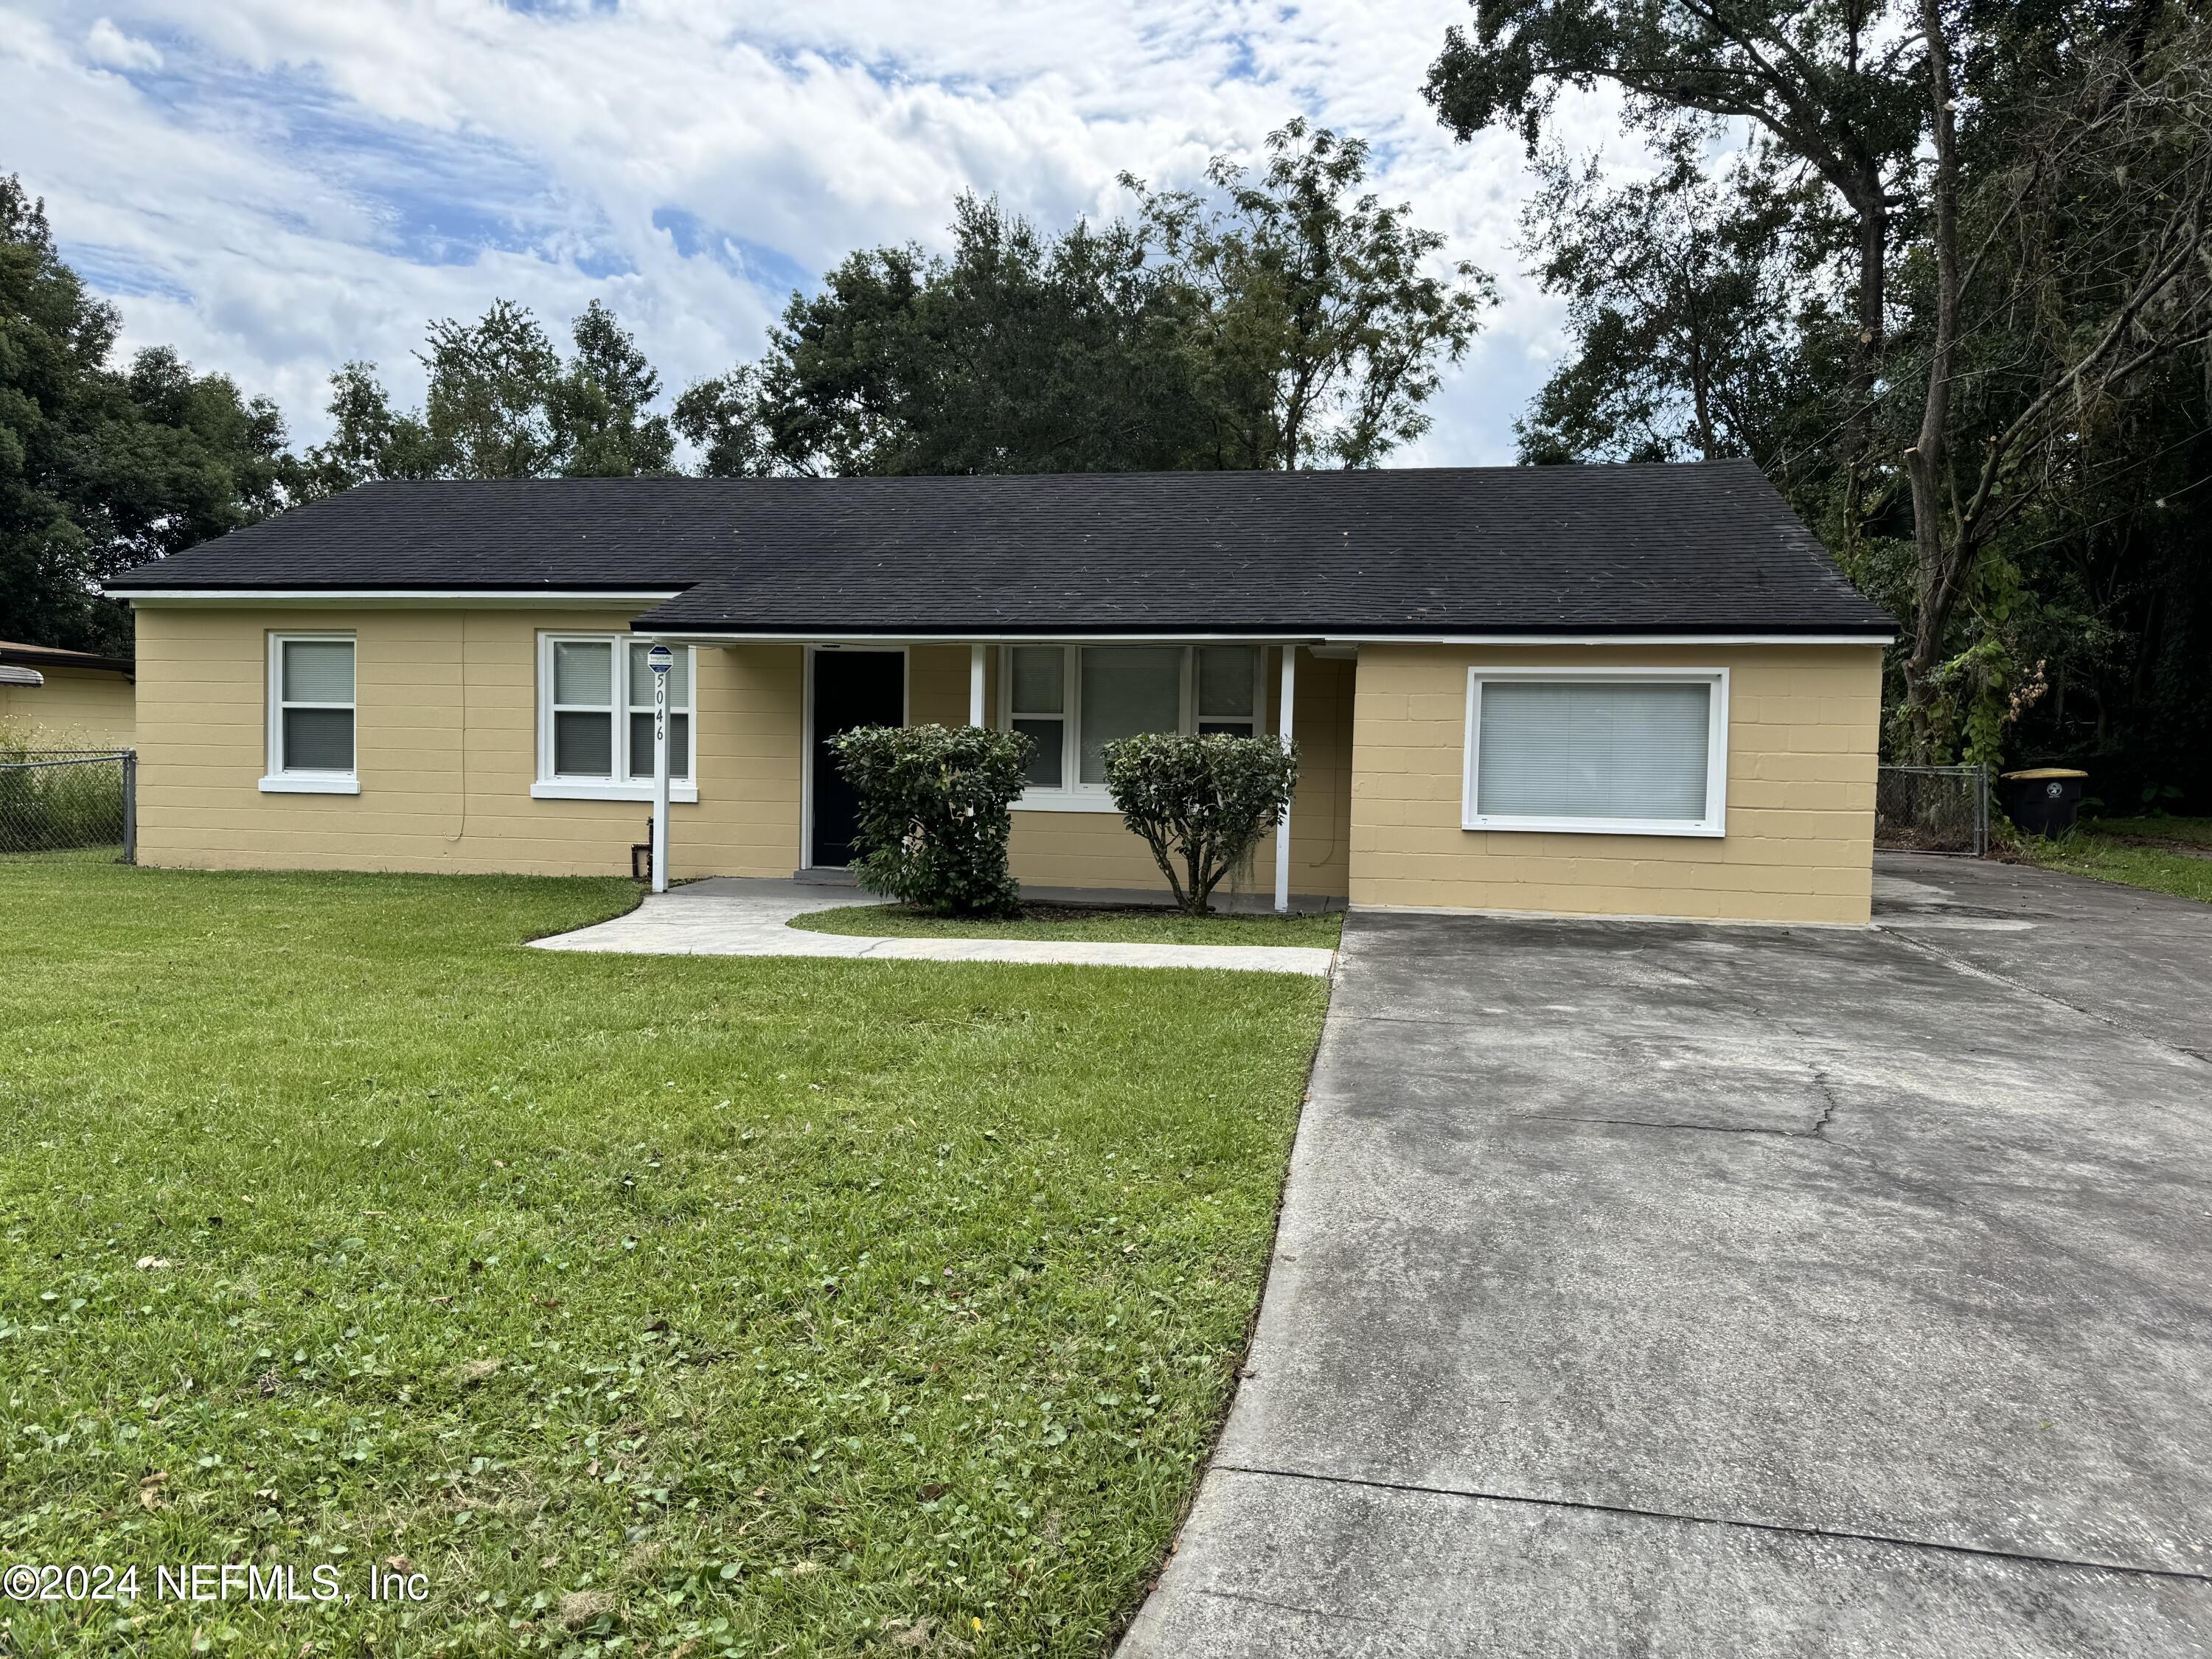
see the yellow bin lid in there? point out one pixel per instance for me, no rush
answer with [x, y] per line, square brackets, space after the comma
[2047, 772]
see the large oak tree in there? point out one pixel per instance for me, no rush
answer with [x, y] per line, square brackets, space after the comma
[103, 466]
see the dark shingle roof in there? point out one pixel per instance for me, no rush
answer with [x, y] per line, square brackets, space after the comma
[16, 653]
[622, 535]
[1710, 548]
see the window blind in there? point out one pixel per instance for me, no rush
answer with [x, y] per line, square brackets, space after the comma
[1125, 689]
[1604, 750]
[1038, 697]
[317, 698]
[317, 671]
[583, 703]
[640, 713]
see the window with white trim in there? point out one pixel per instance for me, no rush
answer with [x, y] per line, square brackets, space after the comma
[1035, 677]
[1228, 690]
[1604, 752]
[312, 712]
[595, 718]
[1071, 701]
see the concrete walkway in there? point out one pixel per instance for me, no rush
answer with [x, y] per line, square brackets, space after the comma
[729, 917]
[1672, 1289]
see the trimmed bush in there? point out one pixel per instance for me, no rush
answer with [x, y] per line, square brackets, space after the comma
[933, 814]
[1201, 802]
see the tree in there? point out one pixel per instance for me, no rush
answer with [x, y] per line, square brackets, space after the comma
[1818, 83]
[721, 417]
[1287, 320]
[599, 418]
[1017, 352]
[503, 403]
[101, 468]
[489, 408]
[367, 441]
[1680, 301]
[2013, 487]
[1320, 323]
[2065, 270]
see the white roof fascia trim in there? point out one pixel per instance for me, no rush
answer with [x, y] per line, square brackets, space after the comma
[674, 636]
[568, 599]
[1610, 638]
[679, 636]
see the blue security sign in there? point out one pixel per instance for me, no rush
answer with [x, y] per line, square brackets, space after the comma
[660, 659]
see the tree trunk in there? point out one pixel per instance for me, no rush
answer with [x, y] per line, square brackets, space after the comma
[1940, 576]
[1870, 203]
[1873, 276]
[1701, 400]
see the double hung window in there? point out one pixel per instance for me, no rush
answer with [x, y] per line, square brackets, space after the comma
[595, 718]
[311, 715]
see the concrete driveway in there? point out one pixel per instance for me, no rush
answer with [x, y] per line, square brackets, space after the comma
[1663, 1288]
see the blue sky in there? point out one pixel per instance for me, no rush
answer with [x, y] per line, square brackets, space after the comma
[275, 186]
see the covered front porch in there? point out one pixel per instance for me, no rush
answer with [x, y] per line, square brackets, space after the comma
[1070, 696]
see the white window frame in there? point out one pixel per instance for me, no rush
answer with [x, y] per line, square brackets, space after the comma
[1713, 823]
[621, 785]
[1074, 795]
[277, 779]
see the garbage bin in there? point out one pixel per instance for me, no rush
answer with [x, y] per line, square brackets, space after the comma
[2044, 800]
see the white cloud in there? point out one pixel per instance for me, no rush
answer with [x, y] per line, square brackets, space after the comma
[274, 187]
[106, 43]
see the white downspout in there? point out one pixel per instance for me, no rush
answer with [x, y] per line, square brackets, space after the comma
[975, 685]
[1283, 827]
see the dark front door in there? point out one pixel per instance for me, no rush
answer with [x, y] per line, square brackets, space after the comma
[851, 688]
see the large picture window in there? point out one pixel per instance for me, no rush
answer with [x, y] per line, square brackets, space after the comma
[1072, 701]
[311, 715]
[1626, 752]
[595, 719]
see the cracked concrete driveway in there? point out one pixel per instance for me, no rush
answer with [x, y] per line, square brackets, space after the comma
[1661, 1289]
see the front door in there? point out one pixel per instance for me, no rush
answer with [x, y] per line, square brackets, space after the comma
[851, 688]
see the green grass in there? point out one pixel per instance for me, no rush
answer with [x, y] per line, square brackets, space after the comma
[1139, 926]
[2194, 832]
[2136, 853]
[765, 1306]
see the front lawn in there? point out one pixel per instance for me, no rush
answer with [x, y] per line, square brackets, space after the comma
[639, 1304]
[2170, 855]
[1128, 925]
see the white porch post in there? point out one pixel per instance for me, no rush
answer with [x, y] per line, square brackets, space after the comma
[660, 776]
[1283, 827]
[975, 685]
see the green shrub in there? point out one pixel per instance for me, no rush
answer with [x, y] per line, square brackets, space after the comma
[933, 814]
[1203, 802]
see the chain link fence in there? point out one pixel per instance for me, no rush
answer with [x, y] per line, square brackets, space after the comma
[1932, 809]
[70, 801]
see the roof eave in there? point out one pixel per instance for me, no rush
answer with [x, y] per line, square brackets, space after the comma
[678, 631]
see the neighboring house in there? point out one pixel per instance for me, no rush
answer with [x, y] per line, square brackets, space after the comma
[66, 699]
[1636, 690]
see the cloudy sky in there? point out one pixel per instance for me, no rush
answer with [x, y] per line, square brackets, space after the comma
[276, 185]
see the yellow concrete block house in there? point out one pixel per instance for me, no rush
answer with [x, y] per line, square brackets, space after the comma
[1608, 691]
